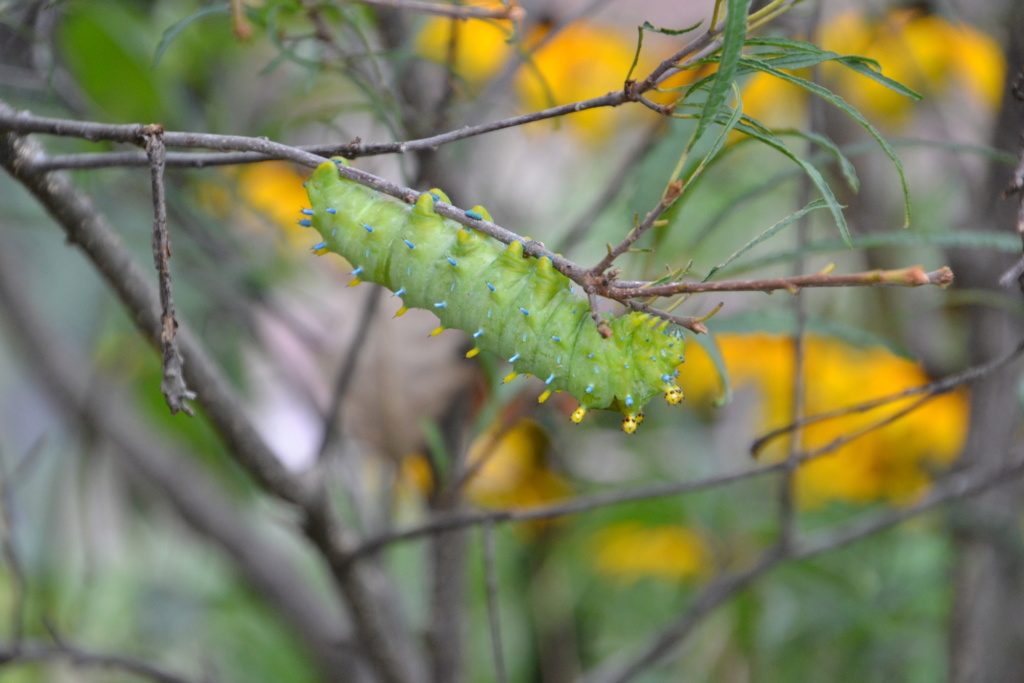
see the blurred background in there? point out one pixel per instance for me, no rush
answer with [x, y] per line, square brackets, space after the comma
[106, 556]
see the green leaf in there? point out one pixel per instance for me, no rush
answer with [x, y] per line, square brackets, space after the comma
[796, 215]
[850, 111]
[753, 128]
[176, 28]
[710, 346]
[733, 40]
[727, 126]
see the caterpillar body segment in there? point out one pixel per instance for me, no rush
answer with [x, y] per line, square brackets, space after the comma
[518, 307]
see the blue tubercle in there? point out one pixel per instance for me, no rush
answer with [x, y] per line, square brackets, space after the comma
[357, 270]
[525, 312]
[514, 358]
[399, 292]
[306, 223]
[440, 304]
[367, 227]
[452, 261]
[629, 401]
[474, 214]
[478, 333]
[666, 378]
[590, 355]
[409, 244]
[590, 388]
[332, 211]
[550, 379]
[556, 338]
[490, 286]
[306, 212]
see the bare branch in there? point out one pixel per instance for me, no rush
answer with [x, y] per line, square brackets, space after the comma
[514, 13]
[173, 385]
[913, 276]
[955, 487]
[389, 651]
[25, 653]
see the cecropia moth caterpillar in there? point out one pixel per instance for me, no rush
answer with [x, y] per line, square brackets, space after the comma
[518, 307]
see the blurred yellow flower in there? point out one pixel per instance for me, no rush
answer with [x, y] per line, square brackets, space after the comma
[269, 191]
[275, 190]
[922, 51]
[629, 551]
[510, 468]
[481, 46]
[891, 463]
[581, 61]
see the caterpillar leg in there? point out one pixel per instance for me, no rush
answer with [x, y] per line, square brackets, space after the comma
[578, 414]
[673, 395]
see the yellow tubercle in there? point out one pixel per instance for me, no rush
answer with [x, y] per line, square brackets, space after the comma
[630, 423]
[545, 396]
[401, 311]
[509, 377]
[483, 212]
[472, 352]
[514, 250]
[440, 195]
[673, 395]
[320, 251]
[578, 414]
[355, 281]
[424, 205]
[437, 330]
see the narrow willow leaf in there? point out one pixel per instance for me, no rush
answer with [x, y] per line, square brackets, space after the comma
[754, 129]
[732, 51]
[710, 346]
[853, 113]
[177, 27]
[788, 220]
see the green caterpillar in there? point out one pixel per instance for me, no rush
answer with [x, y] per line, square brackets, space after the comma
[518, 307]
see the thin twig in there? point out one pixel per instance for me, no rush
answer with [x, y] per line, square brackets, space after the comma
[579, 505]
[912, 276]
[671, 194]
[29, 652]
[389, 652]
[512, 12]
[172, 384]
[958, 486]
[493, 613]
